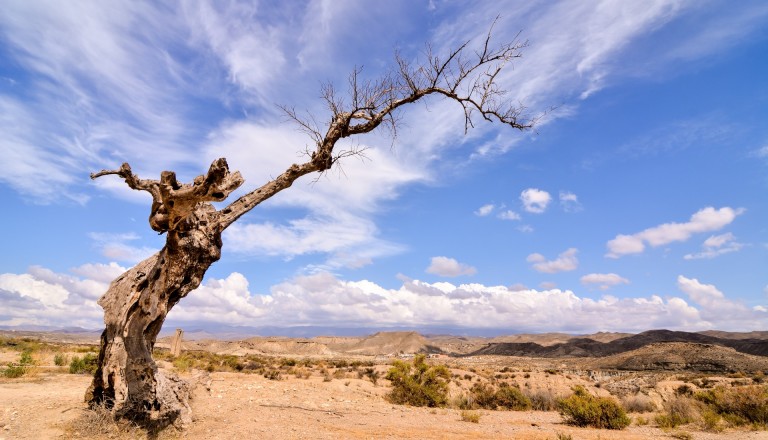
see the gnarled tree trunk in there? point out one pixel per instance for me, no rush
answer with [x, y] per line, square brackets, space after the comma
[128, 381]
[135, 306]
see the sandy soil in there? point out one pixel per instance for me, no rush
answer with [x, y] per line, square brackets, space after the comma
[249, 406]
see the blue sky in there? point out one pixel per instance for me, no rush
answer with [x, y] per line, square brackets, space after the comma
[638, 203]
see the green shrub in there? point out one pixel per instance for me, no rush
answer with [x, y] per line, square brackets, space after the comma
[740, 405]
[86, 364]
[20, 368]
[418, 384]
[183, 363]
[14, 371]
[584, 409]
[60, 359]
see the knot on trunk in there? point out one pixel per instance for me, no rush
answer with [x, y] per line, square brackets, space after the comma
[174, 202]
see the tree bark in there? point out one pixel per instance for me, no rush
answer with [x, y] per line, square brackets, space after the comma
[127, 380]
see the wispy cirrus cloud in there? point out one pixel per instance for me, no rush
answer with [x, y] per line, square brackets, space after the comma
[705, 220]
[717, 245]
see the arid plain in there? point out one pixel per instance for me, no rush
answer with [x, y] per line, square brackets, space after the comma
[336, 387]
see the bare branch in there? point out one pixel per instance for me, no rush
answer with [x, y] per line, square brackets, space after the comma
[468, 79]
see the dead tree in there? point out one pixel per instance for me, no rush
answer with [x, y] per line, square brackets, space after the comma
[128, 381]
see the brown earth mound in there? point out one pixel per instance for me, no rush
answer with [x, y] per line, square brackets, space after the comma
[680, 356]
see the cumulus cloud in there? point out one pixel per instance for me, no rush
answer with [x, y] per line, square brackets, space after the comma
[564, 262]
[43, 297]
[535, 200]
[715, 307]
[604, 281]
[705, 220]
[569, 202]
[484, 210]
[717, 245]
[449, 267]
[46, 298]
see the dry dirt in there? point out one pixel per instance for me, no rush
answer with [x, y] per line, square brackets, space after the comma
[48, 402]
[237, 405]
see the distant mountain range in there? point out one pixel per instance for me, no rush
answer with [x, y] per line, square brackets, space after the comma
[756, 343]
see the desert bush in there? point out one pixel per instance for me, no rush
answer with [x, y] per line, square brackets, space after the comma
[20, 368]
[483, 395]
[60, 359]
[711, 420]
[86, 364]
[273, 374]
[740, 405]
[584, 409]
[684, 390]
[561, 436]
[418, 384]
[639, 403]
[542, 400]
[183, 363]
[470, 416]
[372, 375]
[677, 411]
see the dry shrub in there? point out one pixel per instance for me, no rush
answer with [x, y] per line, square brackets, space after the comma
[418, 384]
[639, 403]
[739, 406]
[678, 411]
[470, 416]
[584, 409]
[542, 400]
[506, 397]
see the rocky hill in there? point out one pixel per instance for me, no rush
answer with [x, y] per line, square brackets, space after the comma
[683, 356]
[587, 347]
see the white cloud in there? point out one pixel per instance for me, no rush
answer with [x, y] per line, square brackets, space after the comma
[449, 267]
[42, 297]
[705, 220]
[762, 152]
[115, 247]
[509, 215]
[525, 228]
[717, 245]
[569, 202]
[564, 262]
[715, 306]
[535, 200]
[604, 280]
[484, 210]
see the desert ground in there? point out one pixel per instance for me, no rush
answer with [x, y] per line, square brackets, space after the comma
[320, 394]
